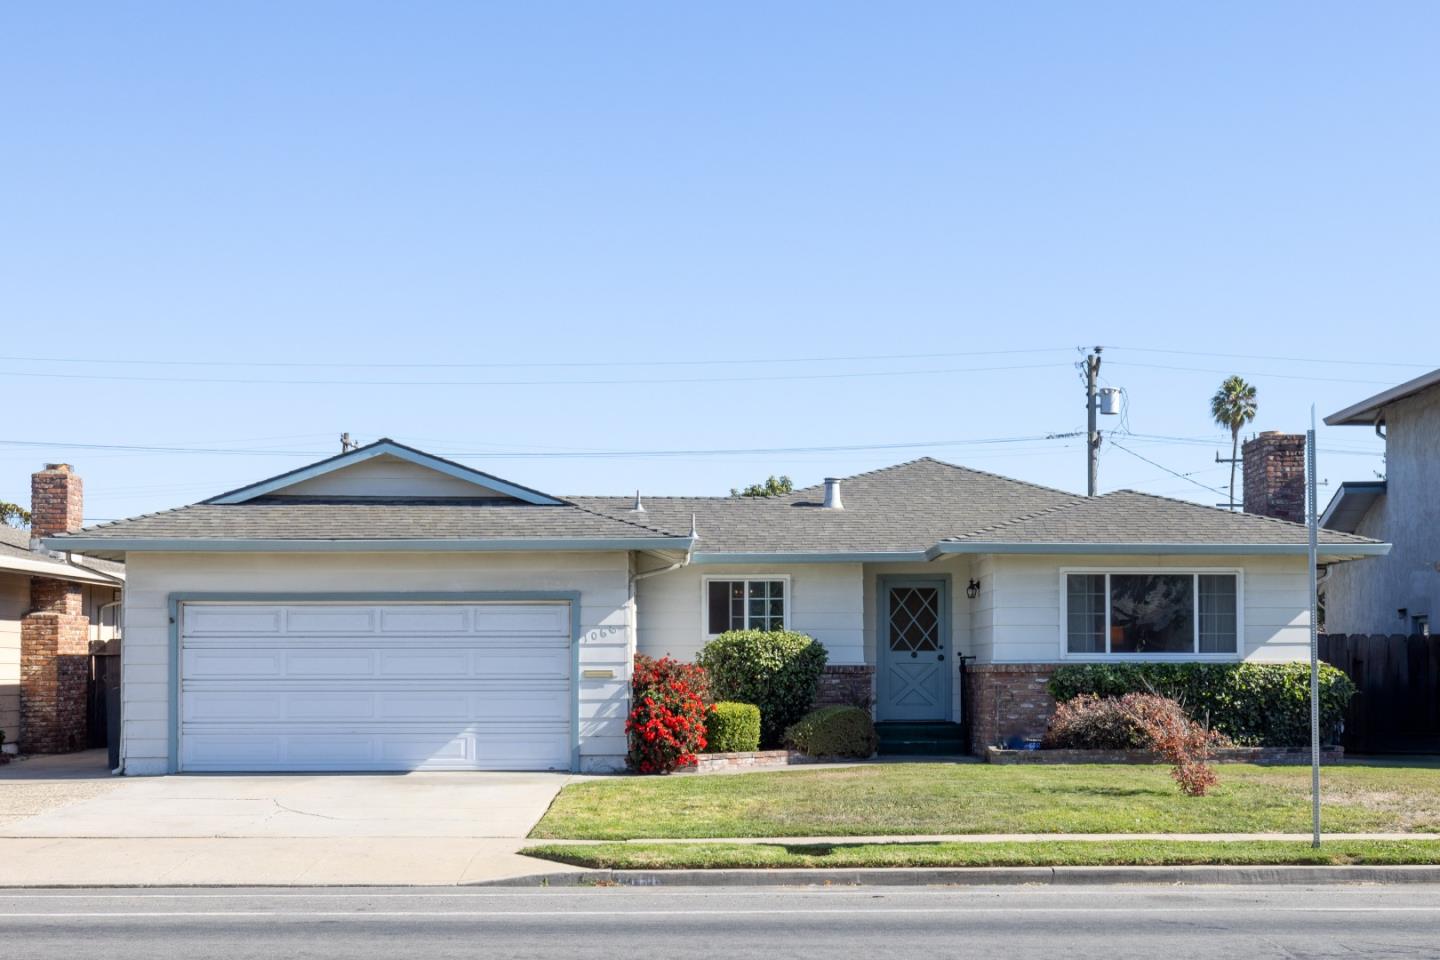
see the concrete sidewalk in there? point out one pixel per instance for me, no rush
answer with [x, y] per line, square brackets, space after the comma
[265, 861]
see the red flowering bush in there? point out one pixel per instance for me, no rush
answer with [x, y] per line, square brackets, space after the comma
[668, 706]
[1139, 721]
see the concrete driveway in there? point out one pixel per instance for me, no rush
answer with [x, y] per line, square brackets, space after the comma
[280, 828]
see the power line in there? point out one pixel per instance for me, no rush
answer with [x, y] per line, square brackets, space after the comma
[526, 364]
[621, 381]
[567, 454]
[1161, 466]
[1257, 356]
[1273, 376]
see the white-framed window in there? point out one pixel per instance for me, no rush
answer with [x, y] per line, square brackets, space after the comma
[1151, 614]
[744, 603]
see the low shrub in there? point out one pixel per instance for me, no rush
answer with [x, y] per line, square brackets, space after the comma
[733, 727]
[1255, 704]
[666, 725]
[777, 671]
[834, 732]
[1139, 721]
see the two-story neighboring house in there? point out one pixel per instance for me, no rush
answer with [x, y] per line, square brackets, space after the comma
[1400, 592]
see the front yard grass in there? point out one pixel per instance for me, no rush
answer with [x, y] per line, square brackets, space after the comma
[945, 798]
[1075, 853]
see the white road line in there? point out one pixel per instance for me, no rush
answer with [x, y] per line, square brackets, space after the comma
[957, 911]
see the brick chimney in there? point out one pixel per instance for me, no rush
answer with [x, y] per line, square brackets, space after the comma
[55, 633]
[57, 501]
[1274, 465]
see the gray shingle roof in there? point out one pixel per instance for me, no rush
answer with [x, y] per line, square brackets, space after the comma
[1129, 516]
[277, 519]
[907, 508]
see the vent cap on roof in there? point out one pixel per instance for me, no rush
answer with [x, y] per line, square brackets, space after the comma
[832, 494]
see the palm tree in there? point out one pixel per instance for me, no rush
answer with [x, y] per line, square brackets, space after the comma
[1233, 406]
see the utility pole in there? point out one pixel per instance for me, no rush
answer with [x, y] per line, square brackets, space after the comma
[1092, 436]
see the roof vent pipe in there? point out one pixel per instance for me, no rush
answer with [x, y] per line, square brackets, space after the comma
[639, 507]
[832, 494]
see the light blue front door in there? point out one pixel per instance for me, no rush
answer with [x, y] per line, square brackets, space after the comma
[914, 649]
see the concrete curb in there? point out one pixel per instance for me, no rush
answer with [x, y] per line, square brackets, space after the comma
[983, 876]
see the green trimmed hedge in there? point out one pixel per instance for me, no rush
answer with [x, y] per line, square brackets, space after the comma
[1254, 704]
[732, 728]
[778, 671]
[834, 732]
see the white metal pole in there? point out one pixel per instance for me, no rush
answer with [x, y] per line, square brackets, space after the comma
[1313, 522]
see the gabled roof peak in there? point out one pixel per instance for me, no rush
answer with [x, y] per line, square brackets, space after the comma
[383, 448]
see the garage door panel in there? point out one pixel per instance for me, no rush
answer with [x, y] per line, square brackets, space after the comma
[424, 663]
[330, 663]
[383, 687]
[524, 621]
[331, 620]
[554, 663]
[226, 663]
[215, 620]
[428, 621]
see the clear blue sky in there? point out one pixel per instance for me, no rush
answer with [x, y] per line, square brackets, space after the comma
[955, 194]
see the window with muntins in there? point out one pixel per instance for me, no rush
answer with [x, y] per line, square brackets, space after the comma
[1151, 614]
[744, 605]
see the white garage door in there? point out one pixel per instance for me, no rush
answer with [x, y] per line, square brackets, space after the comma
[396, 686]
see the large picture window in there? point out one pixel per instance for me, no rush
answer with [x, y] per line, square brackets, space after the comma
[757, 604]
[1140, 613]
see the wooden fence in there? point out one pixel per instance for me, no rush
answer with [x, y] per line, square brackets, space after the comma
[1398, 707]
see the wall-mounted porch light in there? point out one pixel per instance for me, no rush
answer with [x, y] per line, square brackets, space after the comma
[973, 590]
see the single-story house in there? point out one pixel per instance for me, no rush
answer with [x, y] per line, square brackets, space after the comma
[55, 611]
[386, 609]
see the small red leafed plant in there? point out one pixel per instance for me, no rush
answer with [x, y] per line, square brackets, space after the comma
[1140, 721]
[669, 701]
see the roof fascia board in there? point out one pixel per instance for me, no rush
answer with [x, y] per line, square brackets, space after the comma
[452, 545]
[1368, 410]
[1348, 490]
[1183, 549]
[57, 570]
[918, 556]
[380, 449]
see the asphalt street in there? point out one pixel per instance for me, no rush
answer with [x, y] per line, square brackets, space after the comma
[871, 922]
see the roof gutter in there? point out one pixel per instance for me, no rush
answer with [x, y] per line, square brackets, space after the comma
[452, 545]
[1185, 549]
[65, 569]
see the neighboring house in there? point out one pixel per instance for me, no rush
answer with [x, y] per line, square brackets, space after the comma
[52, 609]
[386, 609]
[1401, 592]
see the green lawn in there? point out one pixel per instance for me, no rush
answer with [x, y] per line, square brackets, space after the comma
[680, 856]
[938, 798]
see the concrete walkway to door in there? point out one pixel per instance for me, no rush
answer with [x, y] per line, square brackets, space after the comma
[435, 828]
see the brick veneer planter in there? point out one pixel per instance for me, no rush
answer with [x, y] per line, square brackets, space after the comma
[1266, 755]
[846, 685]
[1007, 700]
[746, 760]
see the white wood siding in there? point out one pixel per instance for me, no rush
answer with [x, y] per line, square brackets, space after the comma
[14, 601]
[825, 602]
[387, 477]
[606, 622]
[1023, 618]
